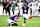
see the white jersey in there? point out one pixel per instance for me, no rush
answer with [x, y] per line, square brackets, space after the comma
[34, 7]
[16, 11]
[34, 4]
[20, 6]
[38, 5]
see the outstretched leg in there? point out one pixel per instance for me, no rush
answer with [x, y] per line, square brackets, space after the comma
[25, 21]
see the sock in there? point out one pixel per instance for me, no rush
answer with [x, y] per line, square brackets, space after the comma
[8, 25]
[23, 23]
[13, 23]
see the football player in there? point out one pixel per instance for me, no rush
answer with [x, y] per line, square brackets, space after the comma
[39, 8]
[34, 7]
[12, 20]
[25, 13]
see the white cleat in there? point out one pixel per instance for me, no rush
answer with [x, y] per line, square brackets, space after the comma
[23, 25]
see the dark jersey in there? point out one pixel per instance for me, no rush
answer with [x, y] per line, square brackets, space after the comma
[25, 10]
[4, 4]
[8, 8]
[12, 18]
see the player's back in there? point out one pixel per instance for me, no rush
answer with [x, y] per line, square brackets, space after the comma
[12, 18]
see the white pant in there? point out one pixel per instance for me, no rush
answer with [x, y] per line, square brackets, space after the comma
[25, 16]
[10, 21]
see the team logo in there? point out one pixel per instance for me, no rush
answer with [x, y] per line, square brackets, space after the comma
[25, 11]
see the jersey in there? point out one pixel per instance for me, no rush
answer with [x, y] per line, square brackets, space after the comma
[12, 18]
[20, 4]
[16, 11]
[25, 10]
[13, 6]
[33, 4]
[4, 4]
[38, 5]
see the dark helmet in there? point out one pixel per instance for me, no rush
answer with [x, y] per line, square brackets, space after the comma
[25, 4]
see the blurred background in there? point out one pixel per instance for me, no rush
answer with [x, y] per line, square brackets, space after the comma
[7, 7]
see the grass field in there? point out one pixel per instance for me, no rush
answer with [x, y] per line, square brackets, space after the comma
[34, 22]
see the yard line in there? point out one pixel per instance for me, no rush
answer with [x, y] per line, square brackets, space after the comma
[33, 21]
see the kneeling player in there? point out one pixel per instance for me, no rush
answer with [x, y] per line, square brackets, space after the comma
[12, 20]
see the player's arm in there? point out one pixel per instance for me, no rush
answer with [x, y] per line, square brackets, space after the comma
[18, 8]
[17, 21]
[28, 10]
[7, 5]
[15, 18]
[21, 7]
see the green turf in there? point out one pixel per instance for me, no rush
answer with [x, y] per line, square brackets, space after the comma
[34, 22]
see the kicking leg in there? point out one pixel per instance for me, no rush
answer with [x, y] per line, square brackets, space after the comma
[25, 21]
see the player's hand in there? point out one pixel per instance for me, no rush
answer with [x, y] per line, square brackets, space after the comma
[3, 6]
[18, 21]
[13, 9]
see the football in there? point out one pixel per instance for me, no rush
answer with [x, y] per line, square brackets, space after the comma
[30, 17]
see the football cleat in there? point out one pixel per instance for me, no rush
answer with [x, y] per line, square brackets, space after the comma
[23, 24]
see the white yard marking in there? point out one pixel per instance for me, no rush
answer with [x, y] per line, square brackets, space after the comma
[33, 21]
